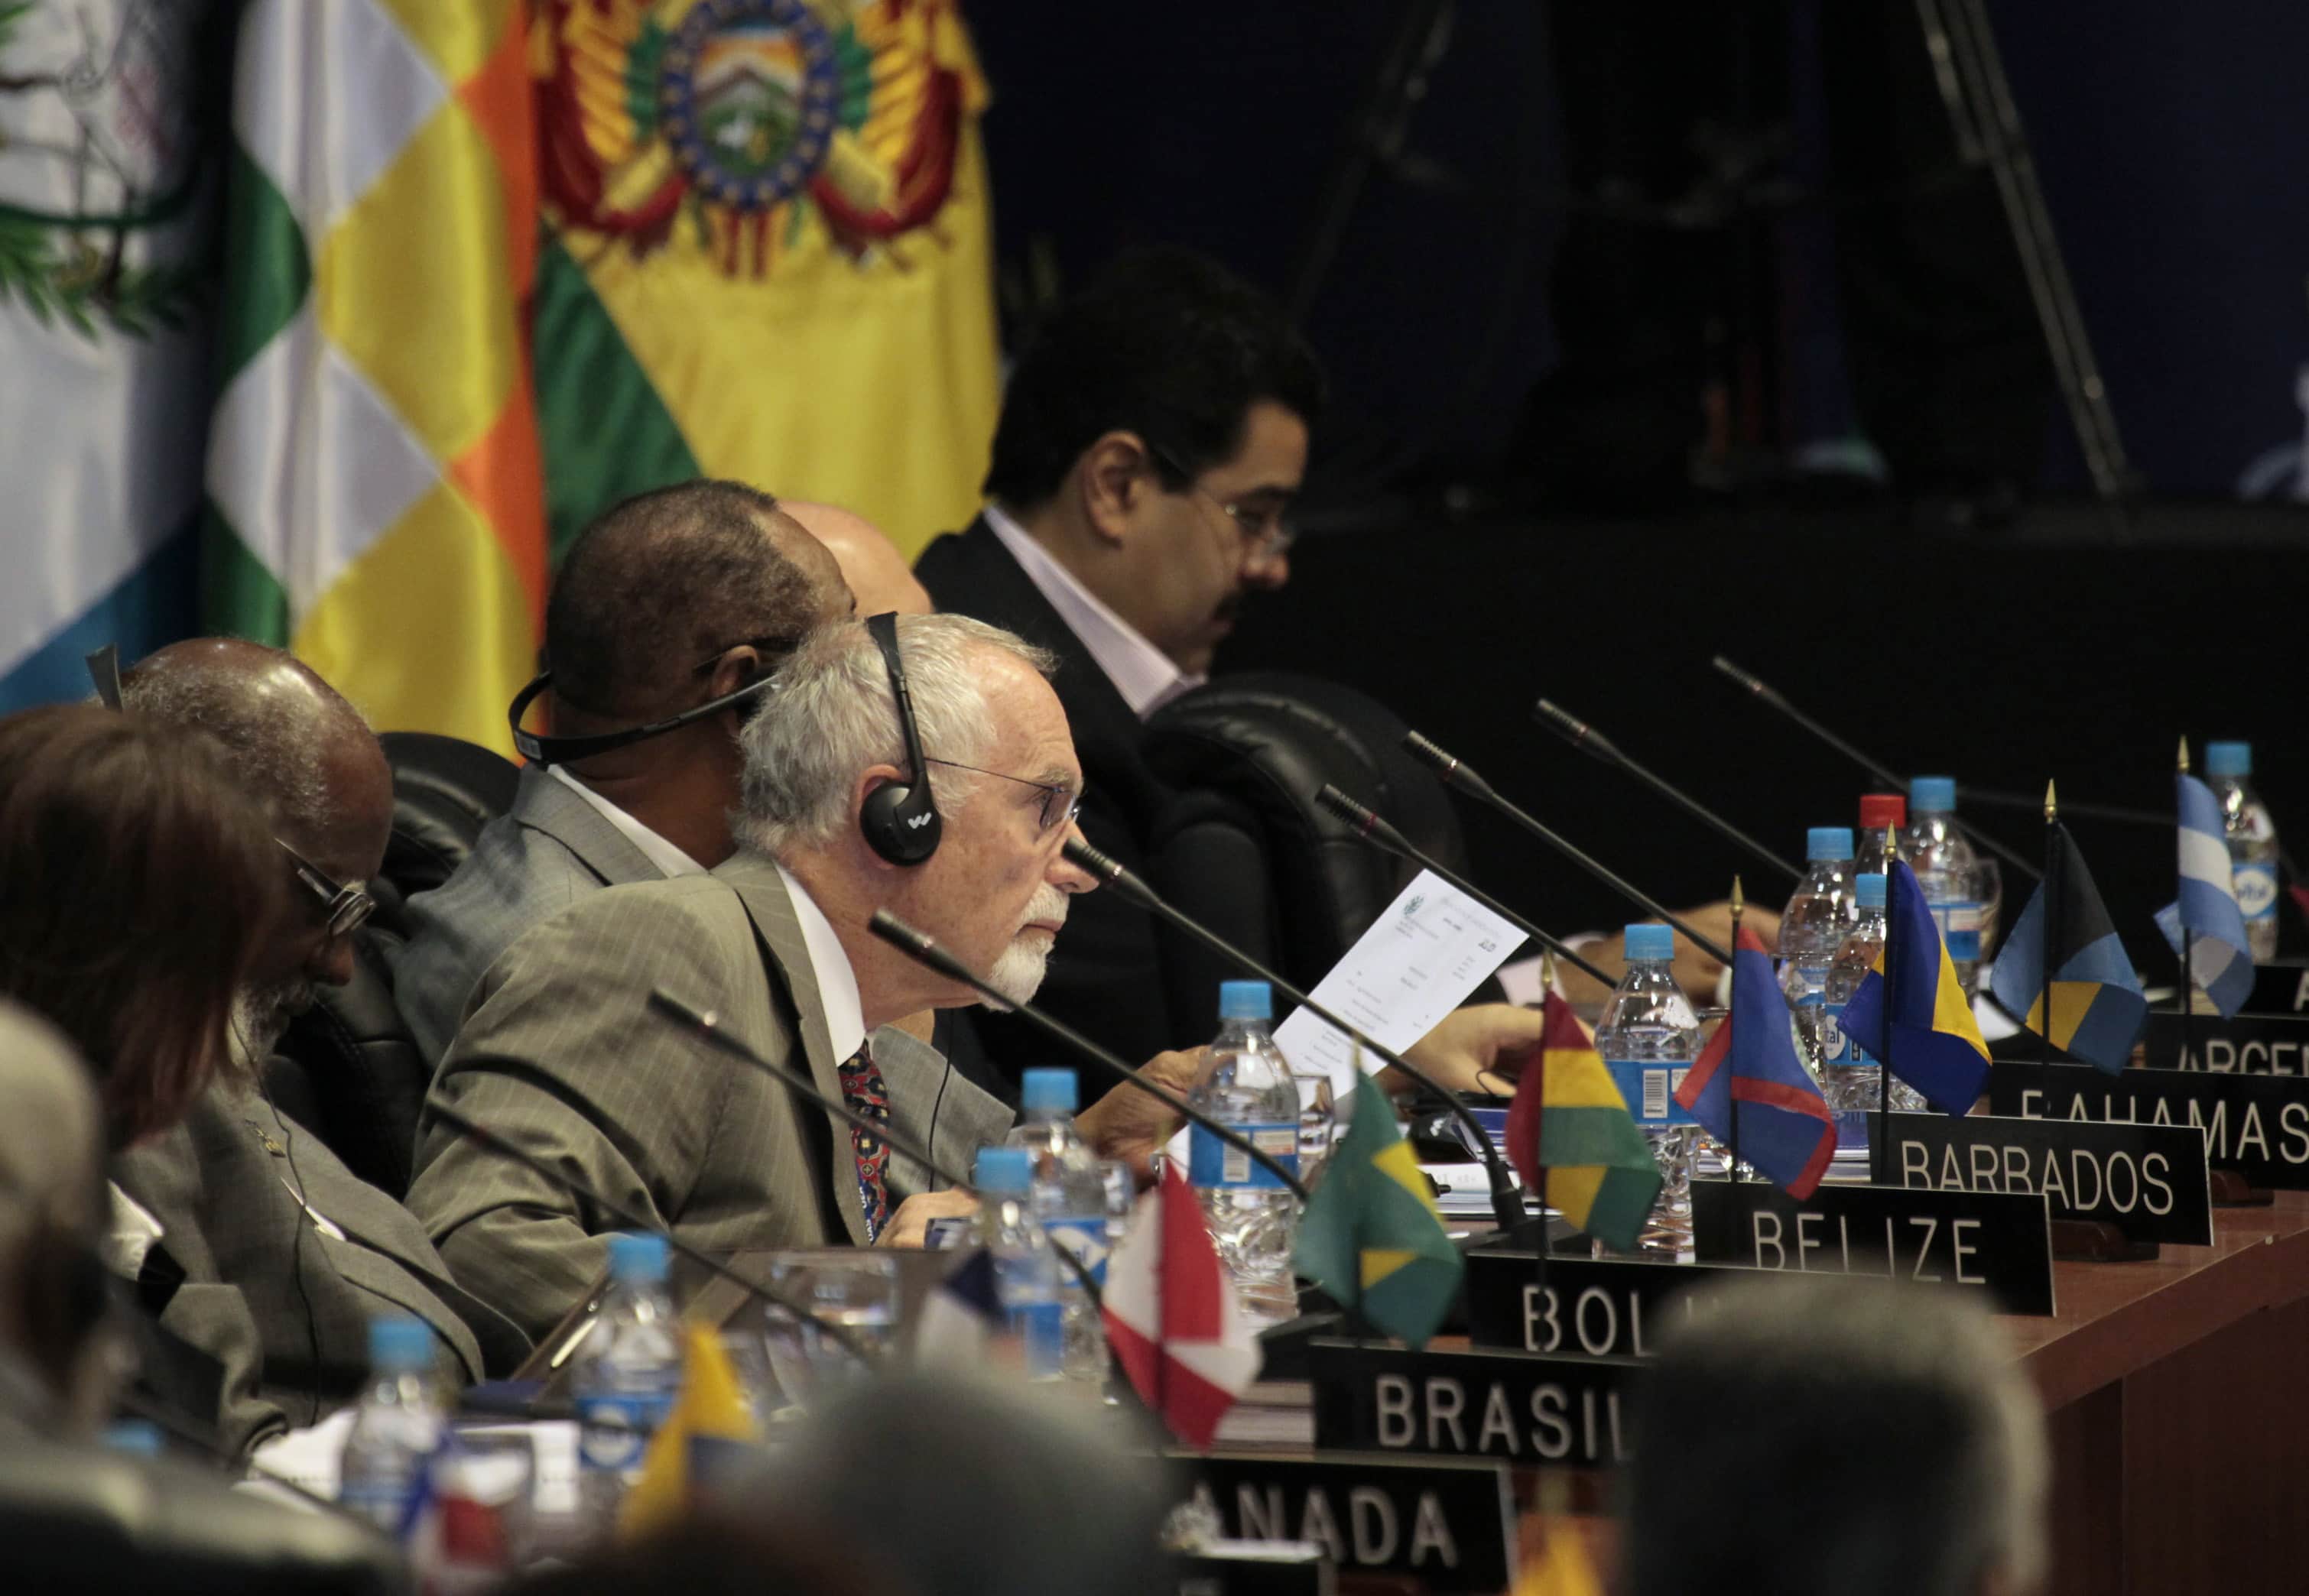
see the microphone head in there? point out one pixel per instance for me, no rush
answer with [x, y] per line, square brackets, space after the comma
[1575, 732]
[1080, 852]
[901, 935]
[1753, 682]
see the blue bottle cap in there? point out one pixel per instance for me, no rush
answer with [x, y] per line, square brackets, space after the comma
[1245, 1000]
[1002, 1170]
[1933, 795]
[2228, 759]
[637, 1256]
[1649, 942]
[1047, 1088]
[400, 1344]
[1828, 842]
[1868, 890]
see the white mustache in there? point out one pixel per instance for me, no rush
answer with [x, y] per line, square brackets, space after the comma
[1048, 904]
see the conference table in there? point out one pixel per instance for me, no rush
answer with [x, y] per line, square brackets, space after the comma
[2177, 1397]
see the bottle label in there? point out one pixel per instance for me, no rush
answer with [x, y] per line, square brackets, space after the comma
[1649, 1090]
[1085, 1238]
[614, 1428]
[1041, 1328]
[1836, 1044]
[1211, 1162]
[1811, 984]
[1959, 927]
[1852, 1130]
[2255, 885]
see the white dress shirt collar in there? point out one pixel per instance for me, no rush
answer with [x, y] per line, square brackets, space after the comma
[670, 861]
[829, 968]
[1142, 673]
[131, 1234]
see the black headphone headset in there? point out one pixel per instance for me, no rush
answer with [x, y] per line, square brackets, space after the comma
[899, 822]
[540, 749]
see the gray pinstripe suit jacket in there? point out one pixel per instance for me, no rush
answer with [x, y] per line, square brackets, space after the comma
[529, 864]
[561, 1054]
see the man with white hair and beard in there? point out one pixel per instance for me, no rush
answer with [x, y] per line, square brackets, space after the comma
[247, 1206]
[561, 1053]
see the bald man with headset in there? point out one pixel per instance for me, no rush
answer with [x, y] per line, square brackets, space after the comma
[915, 763]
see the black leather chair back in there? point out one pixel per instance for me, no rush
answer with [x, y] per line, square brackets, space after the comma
[1245, 848]
[444, 791]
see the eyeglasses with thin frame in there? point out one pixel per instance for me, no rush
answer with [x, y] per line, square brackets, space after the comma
[345, 907]
[1268, 532]
[1061, 806]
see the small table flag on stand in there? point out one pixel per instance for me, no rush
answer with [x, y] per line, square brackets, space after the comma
[1932, 1040]
[2096, 1001]
[1570, 1129]
[1750, 1068]
[1173, 1317]
[1371, 1237]
[2204, 924]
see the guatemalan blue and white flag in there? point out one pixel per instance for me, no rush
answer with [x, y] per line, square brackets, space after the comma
[105, 218]
[2220, 960]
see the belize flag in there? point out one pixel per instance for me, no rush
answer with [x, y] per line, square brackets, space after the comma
[1750, 1068]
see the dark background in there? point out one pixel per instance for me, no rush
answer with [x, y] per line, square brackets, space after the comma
[2173, 144]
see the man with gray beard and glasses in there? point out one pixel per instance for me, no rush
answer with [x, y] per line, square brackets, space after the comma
[246, 1205]
[561, 1052]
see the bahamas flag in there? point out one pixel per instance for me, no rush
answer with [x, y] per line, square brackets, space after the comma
[1371, 1237]
[767, 254]
[2098, 1004]
[1570, 1129]
[1930, 1040]
[2220, 959]
[1750, 1068]
[373, 488]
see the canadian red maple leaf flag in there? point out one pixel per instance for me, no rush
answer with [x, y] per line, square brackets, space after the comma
[1173, 1317]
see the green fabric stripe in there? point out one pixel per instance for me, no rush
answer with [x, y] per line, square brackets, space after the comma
[239, 597]
[1572, 1138]
[605, 432]
[267, 272]
[1411, 1304]
[1622, 1203]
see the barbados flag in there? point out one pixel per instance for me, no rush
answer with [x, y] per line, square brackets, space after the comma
[1371, 1237]
[1750, 1068]
[1570, 1129]
[1930, 1040]
[2098, 1004]
[2220, 960]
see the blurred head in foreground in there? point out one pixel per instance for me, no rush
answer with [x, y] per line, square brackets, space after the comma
[1833, 1435]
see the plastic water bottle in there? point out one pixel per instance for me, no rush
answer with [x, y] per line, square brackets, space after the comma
[1648, 1038]
[1948, 871]
[1249, 1089]
[1069, 1192]
[628, 1372]
[1879, 812]
[2252, 843]
[1848, 1075]
[1026, 1269]
[398, 1424]
[1819, 917]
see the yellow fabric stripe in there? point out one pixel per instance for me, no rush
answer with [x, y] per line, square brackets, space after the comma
[2070, 1000]
[1572, 1192]
[1579, 1080]
[1399, 1164]
[413, 284]
[429, 629]
[1378, 1262]
[1951, 1013]
[458, 35]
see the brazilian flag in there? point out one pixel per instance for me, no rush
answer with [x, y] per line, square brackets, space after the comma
[2098, 1004]
[1371, 1236]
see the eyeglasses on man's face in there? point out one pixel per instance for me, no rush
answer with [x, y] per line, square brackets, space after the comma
[1262, 518]
[343, 907]
[1061, 805]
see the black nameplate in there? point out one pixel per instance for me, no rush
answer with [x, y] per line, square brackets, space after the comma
[2247, 1045]
[1217, 1574]
[1507, 1406]
[1452, 1524]
[2279, 989]
[2256, 1125]
[1998, 1240]
[1592, 1307]
[2148, 1180]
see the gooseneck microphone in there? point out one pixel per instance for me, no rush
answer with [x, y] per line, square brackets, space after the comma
[925, 951]
[1763, 693]
[707, 1027]
[1596, 745]
[1506, 1201]
[1465, 779]
[482, 1136]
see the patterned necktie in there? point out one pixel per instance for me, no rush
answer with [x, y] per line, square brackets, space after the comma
[863, 1091]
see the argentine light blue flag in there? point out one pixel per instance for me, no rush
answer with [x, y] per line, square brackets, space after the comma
[2220, 961]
